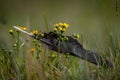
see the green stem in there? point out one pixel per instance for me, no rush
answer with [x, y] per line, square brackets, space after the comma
[46, 23]
[18, 37]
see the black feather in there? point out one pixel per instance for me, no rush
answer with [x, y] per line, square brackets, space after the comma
[73, 47]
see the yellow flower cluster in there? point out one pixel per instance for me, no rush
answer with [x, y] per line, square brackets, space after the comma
[34, 32]
[60, 27]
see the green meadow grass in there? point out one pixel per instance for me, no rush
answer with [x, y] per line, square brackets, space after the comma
[26, 59]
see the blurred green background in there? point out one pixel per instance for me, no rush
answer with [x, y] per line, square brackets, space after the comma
[95, 19]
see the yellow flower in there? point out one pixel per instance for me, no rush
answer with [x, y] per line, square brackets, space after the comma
[34, 32]
[76, 35]
[32, 50]
[53, 55]
[60, 28]
[42, 35]
[23, 28]
[56, 25]
[63, 29]
[11, 31]
[65, 25]
[60, 24]
[55, 29]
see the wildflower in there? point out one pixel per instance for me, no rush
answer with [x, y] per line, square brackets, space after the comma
[76, 35]
[53, 55]
[60, 28]
[55, 29]
[65, 25]
[32, 50]
[42, 35]
[23, 28]
[63, 29]
[11, 31]
[34, 32]
[60, 24]
[56, 25]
